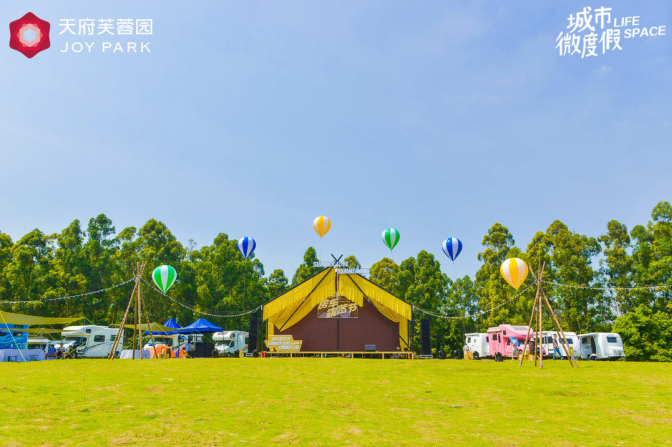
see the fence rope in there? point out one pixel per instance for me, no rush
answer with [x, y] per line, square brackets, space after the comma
[81, 295]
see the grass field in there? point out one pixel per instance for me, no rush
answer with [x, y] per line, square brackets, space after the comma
[344, 402]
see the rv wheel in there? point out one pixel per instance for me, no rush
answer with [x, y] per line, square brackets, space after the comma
[498, 357]
[442, 355]
[476, 356]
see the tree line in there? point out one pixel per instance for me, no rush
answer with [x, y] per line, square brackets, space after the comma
[216, 279]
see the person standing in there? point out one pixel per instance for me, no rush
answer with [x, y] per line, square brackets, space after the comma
[556, 348]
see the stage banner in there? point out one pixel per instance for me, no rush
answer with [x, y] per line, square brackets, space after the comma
[283, 343]
[337, 307]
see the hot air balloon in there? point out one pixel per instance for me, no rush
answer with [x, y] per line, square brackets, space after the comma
[514, 271]
[452, 247]
[164, 277]
[322, 225]
[391, 237]
[246, 246]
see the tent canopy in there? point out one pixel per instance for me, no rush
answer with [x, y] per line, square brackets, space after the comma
[171, 323]
[30, 320]
[200, 326]
[170, 327]
[293, 305]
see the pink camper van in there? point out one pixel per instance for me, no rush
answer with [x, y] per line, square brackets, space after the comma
[500, 338]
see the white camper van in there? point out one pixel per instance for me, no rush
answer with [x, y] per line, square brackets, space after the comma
[227, 343]
[478, 345]
[572, 341]
[606, 346]
[91, 341]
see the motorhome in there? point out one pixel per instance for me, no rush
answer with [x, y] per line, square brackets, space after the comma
[39, 343]
[500, 339]
[91, 341]
[572, 341]
[605, 346]
[230, 342]
[478, 345]
[11, 338]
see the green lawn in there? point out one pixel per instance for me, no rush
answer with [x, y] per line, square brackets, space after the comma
[344, 402]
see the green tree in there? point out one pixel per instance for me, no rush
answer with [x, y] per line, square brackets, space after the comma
[307, 269]
[647, 335]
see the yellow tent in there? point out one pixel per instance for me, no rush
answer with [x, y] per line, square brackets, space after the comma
[291, 307]
[30, 320]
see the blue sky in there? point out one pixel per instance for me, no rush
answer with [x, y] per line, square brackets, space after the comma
[438, 118]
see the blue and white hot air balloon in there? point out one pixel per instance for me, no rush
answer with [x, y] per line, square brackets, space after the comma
[452, 248]
[246, 246]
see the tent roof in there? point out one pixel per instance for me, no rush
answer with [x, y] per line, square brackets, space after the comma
[199, 326]
[171, 323]
[30, 320]
[290, 307]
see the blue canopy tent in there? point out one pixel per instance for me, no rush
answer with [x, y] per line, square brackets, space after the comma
[200, 326]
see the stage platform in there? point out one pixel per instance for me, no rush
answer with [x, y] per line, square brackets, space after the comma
[352, 355]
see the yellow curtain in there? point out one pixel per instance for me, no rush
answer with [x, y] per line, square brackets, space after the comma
[10, 318]
[280, 309]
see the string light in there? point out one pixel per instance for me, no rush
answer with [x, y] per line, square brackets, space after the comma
[199, 311]
[68, 297]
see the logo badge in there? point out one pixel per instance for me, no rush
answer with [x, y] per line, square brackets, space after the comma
[29, 35]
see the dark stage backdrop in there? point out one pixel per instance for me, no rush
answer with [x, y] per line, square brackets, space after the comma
[346, 334]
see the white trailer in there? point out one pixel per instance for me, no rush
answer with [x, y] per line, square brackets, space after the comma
[91, 341]
[229, 342]
[605, 346]
[479, 345]
[572, 341]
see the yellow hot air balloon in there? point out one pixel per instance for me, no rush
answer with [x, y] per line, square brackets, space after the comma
[321, 224]
[514, 271]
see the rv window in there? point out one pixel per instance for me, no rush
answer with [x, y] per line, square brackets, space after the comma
[468, 339]
[113, 337]
[18, 334]
[612, 339]
[99, 339]
[88, 331]
[585, 341]
[486, 339]
[3, 334]
[570, 341]
[504, 332]
[508, 342]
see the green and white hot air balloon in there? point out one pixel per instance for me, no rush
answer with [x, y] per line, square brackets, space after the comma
[164, 277]
[391, 238]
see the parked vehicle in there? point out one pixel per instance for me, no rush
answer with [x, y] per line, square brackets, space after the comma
[12, 339]
[174, 342]
[606, 346]
[500, 339]
[572, 341]
[39, 343]
[91, 341]
[478, 345]
[230, 342]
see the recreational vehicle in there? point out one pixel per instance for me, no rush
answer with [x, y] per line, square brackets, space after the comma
[227, 343]
[174, 342]
[500, 339]
[572, 341]
[39, 343]
[478, 345]
[12, 338]
[605, 346]
[91, 341]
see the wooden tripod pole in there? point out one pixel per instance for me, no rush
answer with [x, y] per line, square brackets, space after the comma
[563, 339]
[529, 328]
[123, 322]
